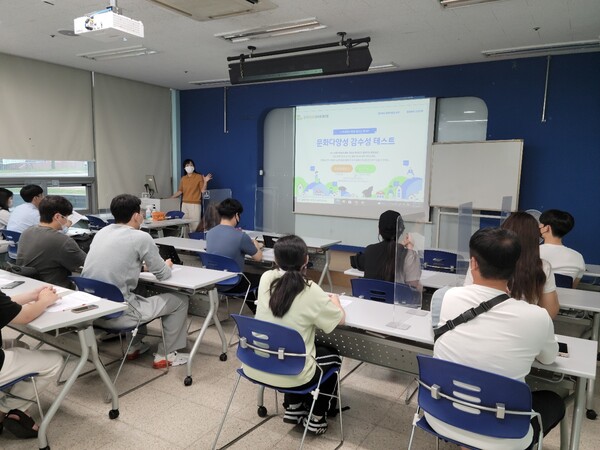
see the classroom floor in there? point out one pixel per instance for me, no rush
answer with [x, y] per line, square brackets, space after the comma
[164, 414]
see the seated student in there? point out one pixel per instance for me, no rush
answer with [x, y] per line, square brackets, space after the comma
[554, 225]
[533, 279]
[116, 256]
[379, 260]
[226, 240]
[26, 215]
[508, 337]
[17, 361]
[6, 200]
[287, 298]
[47, 248]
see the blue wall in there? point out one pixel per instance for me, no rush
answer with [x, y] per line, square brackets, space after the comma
[561, 163]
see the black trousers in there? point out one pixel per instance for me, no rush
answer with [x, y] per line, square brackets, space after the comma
[327, 357]
[551, 408]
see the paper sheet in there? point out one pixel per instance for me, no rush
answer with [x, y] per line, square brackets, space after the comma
[72, 300]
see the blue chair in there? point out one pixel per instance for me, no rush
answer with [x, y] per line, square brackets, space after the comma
[278, 350]
[224, 288]
[199, 235]
[383, 291]
[563, 281]
[30, 377]
[439, 261]
[472, 400]
[13, 240]
[174, 215]
[96, 223]
[111, 292]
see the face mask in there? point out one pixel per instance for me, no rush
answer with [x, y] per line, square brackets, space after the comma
[189, 169]
[64, 228]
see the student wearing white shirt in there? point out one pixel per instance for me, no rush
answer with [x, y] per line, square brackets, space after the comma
[505, 339]
[26, 215]
[554, 225]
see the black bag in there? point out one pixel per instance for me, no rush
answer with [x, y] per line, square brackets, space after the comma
[84, 241]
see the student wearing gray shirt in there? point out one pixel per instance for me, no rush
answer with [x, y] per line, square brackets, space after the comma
[116, 256]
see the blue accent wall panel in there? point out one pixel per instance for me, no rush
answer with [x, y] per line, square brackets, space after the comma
[561, 161]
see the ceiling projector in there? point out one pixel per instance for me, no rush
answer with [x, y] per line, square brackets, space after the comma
[108, 26]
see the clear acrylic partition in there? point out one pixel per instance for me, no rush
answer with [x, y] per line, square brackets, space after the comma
[506, 208]
[465, 230]
[270, 212]
[407, 298]
[210, 200]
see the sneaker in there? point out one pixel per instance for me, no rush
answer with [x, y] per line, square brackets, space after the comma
[316, 426]
[137, 349]
[295, 415]
[172, 359]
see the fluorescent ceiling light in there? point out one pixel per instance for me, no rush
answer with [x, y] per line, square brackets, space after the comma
[459, 3]
[281, 29]
[117, 53]
[571, 47]
[212, 83]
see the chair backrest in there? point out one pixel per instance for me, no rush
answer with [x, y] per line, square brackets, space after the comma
[100, 289]
[218, 262]
[477, 388]
[439, 260]
[287, 345]
[199, 235]
[378, 290]
[96, 223]
[174, 215]
[169, 252]
[385, 291]
[269, 241]
[13, 238]
[563, 281]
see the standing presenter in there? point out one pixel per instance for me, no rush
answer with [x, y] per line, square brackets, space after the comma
[191, 186]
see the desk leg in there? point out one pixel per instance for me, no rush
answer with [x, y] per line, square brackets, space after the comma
[213, 301]
[578, 407]
[326, 271]
[591, 413]
[87, 340]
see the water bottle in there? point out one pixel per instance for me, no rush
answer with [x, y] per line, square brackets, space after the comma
[148, 213]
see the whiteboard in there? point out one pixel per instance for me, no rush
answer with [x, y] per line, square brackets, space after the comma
[478, 172]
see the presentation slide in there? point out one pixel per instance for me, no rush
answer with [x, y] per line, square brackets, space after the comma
[360, 159]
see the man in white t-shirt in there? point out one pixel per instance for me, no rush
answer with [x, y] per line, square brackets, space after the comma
[508, 337]
[554, 225]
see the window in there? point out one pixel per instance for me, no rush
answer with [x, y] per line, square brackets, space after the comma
[71, 179]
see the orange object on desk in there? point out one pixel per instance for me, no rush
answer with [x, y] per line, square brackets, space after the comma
[158, 215]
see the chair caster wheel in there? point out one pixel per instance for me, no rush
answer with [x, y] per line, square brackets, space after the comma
[591, 414]
[223, 356]
[113, 414]
[262, 411]
[187, 381]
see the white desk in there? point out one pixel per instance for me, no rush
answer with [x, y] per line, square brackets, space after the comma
[317, 245]
[199, 245]
[190, 279]
[397, 348]
[429, 278]
[82, 322]
[160, 225]
[592, 270]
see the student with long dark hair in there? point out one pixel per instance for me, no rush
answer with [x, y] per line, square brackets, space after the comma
[379, 260]
[6, 200]
[533, 279]
[286, 297]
